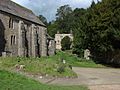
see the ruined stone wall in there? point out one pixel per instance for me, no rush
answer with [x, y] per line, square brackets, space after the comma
[22, 38]
[43, 41]
[58, 39]
[51, 47]
[10, 46]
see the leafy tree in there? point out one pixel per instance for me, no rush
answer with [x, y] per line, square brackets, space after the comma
[43, 19]
[79, 30]
[62, 23]
[103, 30]
[63, 18]
[63, 11]
[52, 28]
[96, 28]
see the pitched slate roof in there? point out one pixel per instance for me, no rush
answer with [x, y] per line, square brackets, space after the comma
[20, 11]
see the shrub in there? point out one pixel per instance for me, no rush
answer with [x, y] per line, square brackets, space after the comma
[66, 43]
[61, 68]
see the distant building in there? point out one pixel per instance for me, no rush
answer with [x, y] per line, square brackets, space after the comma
[21, 32]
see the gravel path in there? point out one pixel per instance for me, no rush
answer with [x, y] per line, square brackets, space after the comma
[91, 76]
[100, 79]
[104, 87]
[94, 78]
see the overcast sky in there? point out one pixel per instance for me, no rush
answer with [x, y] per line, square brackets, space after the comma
[48, 8]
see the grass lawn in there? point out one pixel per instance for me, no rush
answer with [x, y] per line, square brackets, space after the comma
[51, 65]
[13, 81]
[76, 61]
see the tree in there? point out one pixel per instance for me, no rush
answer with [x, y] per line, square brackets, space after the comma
[43, 19]
[66, 43]
[103, 30]
[79, 27]
[63, 11]
[93, 3]
[52, 28]
[96, 28]
[63, 18]
[62, 23]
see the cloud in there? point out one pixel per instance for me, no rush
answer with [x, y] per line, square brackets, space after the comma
[48, 8]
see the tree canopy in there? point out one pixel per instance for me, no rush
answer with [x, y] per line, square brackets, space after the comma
[96, 28]
[43, 19]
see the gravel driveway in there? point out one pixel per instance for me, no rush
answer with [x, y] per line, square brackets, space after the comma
[94, 78]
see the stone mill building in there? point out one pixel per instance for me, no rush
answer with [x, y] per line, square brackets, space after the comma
[22, 33]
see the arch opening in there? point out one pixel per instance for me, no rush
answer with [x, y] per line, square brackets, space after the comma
[59, 38]
[66, 43]
[2, 37]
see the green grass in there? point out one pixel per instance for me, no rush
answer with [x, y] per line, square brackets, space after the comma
[41, 66]
[49, 65]
[13, 81]
[76, 61]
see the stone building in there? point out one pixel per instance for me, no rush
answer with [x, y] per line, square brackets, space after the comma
[21, 32]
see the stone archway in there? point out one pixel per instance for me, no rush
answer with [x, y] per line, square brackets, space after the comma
[59, 37]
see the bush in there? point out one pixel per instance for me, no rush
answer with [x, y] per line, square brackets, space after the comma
[61, 68]
[66, 43]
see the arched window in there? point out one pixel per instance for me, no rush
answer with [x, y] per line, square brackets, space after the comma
[11, 23]
[11, 39]
[14, 40]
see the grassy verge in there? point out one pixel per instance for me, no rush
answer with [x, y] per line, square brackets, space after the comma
[76, 61]
[12, 81]
[51, 66]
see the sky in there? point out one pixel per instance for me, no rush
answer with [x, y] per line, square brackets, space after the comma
[48, 8]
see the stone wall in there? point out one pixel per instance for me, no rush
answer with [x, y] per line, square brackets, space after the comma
[87, 54]
[20, 37]
[51, 47]
[43, 41]
[10, 46]
[59, 37]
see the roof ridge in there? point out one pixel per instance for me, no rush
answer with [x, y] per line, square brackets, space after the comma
[20, 11]
[21, 6]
